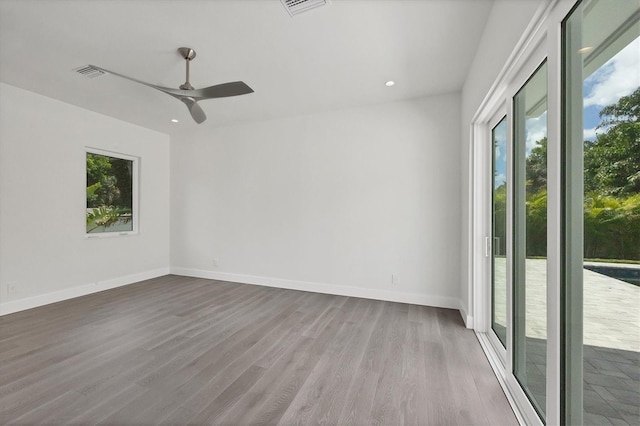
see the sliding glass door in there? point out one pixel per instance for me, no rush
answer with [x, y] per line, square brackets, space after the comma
[499, 232]
[556, 240]
[601, 52]
[530, 237]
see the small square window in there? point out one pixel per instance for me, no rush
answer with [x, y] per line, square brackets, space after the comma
[112, 193]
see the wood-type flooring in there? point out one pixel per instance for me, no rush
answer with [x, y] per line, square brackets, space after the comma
[176, 350]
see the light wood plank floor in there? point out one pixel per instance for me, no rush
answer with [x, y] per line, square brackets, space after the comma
[176, 350]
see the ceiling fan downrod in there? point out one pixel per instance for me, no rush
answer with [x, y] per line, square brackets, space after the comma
[188, 54]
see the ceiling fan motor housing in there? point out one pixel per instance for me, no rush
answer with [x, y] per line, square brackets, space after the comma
[188, 54]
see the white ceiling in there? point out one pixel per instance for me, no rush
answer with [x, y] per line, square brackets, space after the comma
[332, 57]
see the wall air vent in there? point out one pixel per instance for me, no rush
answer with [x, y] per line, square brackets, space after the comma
[295, 7]
[89, 71]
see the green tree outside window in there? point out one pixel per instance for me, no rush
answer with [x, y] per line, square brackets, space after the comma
[109, 194]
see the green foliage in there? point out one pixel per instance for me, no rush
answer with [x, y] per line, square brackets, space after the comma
[626, 110]
[536, 206]
[500, 220]
[109, 191]
[612, 161]
[123, 177]
[91, 193]
[612, 226]
[109, 181]
[106, 216]
[536, 169]
[97, 167]
[612, 187]
[612, 183]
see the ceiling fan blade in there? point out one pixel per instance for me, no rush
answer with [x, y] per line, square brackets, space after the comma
[196, 110]
[224, 90]
[191, 97]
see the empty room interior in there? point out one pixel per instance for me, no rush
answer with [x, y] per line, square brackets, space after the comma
[360, 212]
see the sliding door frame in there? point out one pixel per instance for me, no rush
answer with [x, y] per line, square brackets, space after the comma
[541, 41]
[501, 351]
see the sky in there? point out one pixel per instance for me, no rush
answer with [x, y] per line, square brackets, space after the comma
[618, 77]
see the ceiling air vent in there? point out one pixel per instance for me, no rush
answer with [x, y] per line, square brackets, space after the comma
[294, 7]
[89, 71]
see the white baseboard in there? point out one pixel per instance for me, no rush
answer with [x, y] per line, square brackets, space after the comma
[69, 293]
[468, 319]
[314, 287]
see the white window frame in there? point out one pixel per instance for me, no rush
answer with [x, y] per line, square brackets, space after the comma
[135, 181]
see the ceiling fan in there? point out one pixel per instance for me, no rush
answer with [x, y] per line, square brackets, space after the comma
[187, 93]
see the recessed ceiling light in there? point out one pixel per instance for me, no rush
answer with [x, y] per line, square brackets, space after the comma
[390, 83]
[585, 49]
[173, 120]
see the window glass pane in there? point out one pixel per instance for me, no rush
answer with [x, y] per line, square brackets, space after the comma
[499, 230]
[602, 142]
[109, 194]
[530, 237]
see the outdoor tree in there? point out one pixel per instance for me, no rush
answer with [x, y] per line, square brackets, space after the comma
[536, 167]
[612, 161]
[109, 191]
[611, 185]
[102, 183]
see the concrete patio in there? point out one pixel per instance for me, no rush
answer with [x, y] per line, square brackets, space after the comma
[611, 340]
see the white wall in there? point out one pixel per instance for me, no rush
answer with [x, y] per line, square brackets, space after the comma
[43, 249]
[506, 24]
[334, 202]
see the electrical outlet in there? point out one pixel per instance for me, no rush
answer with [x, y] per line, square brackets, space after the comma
[394, 279]
[214, 262]
[12, 287]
